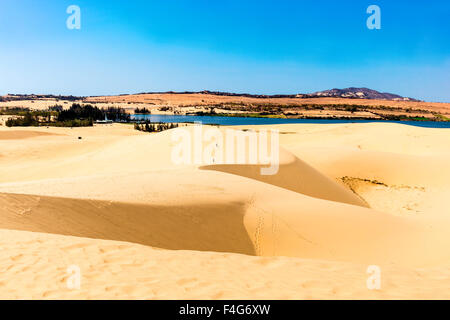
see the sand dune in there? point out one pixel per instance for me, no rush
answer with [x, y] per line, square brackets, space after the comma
[296, 176]
[34, 266]
[398, 169]
[288, 226]
[18, 135]
[203, 227]
[114, 203]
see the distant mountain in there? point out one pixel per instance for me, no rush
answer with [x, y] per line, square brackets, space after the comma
[349, 93]
[357, 93]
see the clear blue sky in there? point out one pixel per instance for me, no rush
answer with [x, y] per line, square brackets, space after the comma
[238, 46]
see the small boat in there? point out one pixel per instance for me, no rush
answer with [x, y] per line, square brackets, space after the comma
[106, 121]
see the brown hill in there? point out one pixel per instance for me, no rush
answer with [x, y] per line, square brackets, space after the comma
[208, 99]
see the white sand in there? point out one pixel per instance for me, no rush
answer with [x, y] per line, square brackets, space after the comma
[114, 204]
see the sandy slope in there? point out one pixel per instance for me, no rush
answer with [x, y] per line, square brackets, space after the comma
[34, 266]
[317, 236]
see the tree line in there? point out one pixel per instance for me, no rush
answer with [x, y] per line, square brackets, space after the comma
[148, 126]
[77, 111]
[144, 110]
[76, 116]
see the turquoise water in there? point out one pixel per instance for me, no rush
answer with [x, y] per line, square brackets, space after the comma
[239, 121]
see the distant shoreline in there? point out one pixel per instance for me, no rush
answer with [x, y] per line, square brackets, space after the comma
[244, 115]
[220, 120]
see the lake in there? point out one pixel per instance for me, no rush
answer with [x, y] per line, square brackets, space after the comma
[240, 121]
